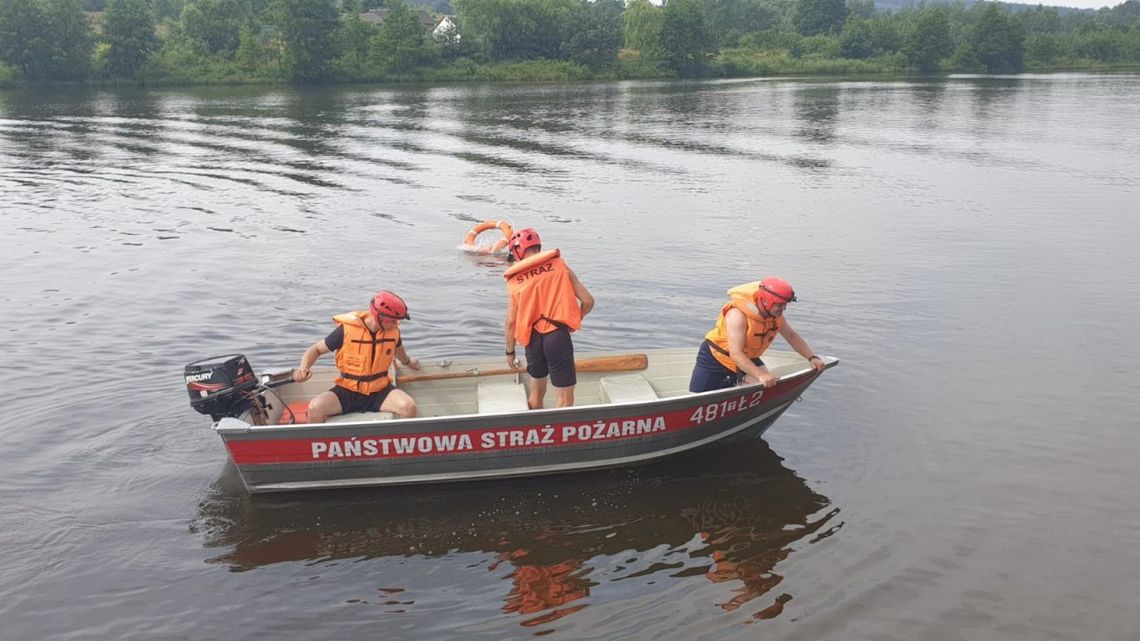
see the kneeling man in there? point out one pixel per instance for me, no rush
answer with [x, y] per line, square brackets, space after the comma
[365, 343]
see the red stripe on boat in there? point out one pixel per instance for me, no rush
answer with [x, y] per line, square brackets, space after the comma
[482, 440]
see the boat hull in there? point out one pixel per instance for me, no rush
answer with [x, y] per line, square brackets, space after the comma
[484, 446]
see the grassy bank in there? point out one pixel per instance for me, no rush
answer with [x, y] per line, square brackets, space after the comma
[729, 63]
[743, 63]
[7, 78]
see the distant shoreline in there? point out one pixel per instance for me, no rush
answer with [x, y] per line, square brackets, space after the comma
[818, 68]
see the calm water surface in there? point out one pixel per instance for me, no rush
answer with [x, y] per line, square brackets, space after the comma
[966, 246]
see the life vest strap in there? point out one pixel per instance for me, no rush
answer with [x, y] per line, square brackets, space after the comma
[374, 341]
[724, 351]
[557, 324]
[717, 348]
[364, 379]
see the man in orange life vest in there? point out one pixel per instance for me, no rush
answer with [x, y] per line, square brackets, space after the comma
[747, 325]
[545, 302]
[365, 343]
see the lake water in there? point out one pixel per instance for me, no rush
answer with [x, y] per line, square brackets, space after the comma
[966, 246]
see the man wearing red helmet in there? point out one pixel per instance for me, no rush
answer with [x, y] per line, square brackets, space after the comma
[545, 302]
[747, 325]
[365, 343]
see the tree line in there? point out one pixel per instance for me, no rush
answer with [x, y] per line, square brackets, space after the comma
[250, 41]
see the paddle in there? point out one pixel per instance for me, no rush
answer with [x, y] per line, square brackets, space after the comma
[616, 363]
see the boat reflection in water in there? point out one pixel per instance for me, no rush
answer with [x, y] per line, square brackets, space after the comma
[729, 514]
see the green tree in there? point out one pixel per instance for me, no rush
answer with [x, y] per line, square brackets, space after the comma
[128, 26]
[181, 59]
[817, 47]
[685, 40]
[928, 42]
[862, 8]
[402, 43]
[1132, 50]
[438, 6]
[641, 27]
[258, 55]
[353, 37]
[215, 23]
[813, 17]
[249, 54]
[307, 28]
[1041, 19]
[517, 29]
[1125, 13]
[24, 39]
[855, 41]
[885, 34]
[998, 40]
[729, 20]
[164, 9]
[595, 34]
[69, 52]
[1096, 40]
[1043, 48]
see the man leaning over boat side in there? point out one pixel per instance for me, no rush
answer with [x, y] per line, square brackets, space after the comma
[545, 303]
[365, 343]
[747, 325]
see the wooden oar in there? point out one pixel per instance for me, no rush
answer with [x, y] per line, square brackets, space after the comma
[618, 363]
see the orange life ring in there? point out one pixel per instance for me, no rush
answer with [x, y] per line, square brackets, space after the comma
[499, 245]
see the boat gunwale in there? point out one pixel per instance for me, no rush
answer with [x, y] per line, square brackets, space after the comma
[248, 428]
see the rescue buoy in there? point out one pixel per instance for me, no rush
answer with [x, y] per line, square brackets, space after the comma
[504, 228]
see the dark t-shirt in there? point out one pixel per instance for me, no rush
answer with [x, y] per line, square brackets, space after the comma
[335, 339]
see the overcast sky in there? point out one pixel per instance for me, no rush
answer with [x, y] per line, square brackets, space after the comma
[1081, 4]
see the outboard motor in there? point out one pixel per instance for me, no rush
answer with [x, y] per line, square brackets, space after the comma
[221, 385]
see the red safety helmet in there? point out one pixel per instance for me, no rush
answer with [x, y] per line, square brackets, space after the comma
[774, 291]
[385, 303]
[521, 241]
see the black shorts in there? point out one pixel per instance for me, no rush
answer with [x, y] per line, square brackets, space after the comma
[552, 354]
[351, 401]
[709, 374]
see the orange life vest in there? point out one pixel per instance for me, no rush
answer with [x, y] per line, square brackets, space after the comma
[543, 295]
[761, 331]
[364, 358]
